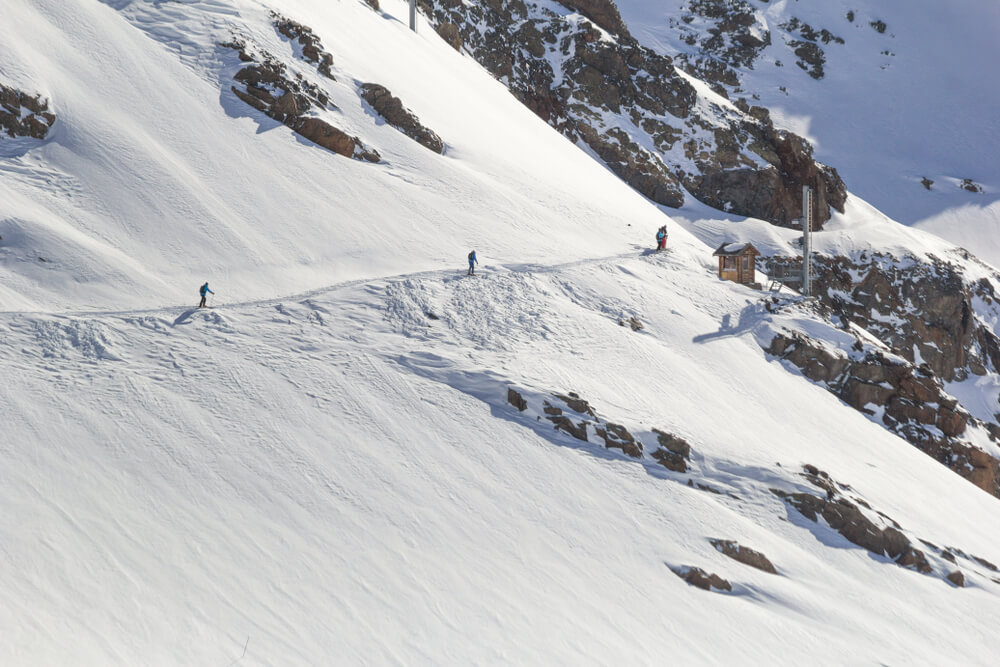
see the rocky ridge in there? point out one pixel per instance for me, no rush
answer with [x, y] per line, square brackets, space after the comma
[899, 330]
[587, 77]
[269, 86]
[391, 108]
[24, 115]
[843, 510]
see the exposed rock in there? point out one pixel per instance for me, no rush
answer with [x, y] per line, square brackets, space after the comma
[913, 405]
[956, 578]
[603, 13]
[695, 576]
[576, 404]
[926, 182]
[565, 424]
[373, 4]
[637, 114]
[449, 33]
[846, 518]
[744, 555]
[24, 115]
[392, 109]
[617, 437]
[312, 47]
[515, 399]
[674, 452]
[971, 186]
[266, 85]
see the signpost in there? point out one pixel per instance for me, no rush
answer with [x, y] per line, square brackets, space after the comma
[807, 219]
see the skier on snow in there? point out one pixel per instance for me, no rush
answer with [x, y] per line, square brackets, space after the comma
[472, 263]
[204, 293]
[661, 238]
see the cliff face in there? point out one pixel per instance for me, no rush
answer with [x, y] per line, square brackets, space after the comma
[587, 77]
[914, 328]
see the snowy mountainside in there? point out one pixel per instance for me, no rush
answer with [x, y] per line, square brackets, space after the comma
[156, 174]
[341, 476]
[583, 454]
[898, 97]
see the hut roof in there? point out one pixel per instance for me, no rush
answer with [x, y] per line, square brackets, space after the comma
[731, 249]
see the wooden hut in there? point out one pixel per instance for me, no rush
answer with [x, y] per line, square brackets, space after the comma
[737, 262]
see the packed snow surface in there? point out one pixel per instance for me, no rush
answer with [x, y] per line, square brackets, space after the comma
[323, 468]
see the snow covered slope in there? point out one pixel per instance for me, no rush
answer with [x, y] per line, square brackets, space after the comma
[340, 478]
[157, 178]
[332, 465]
[907, 93]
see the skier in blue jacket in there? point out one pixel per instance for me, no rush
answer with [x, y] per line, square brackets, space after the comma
[204, 294]
[472, 263]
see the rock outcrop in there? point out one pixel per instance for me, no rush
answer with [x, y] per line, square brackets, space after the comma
[845, 517]
[744, 555]
[699, 578]
[632, 108]
[24, 115]
[391, 108]
[909, 401]
[312, 47]
[266, 84]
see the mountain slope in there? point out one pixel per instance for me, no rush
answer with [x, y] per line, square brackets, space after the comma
[154, 172]
[361, 454]
[889, 96]
[339, 477]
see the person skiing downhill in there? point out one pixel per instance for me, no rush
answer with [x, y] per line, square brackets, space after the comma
[472, 263]
[661, 238]
[204, 294]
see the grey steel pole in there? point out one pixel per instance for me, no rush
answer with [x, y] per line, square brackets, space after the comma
[806, 239]
[413, 15]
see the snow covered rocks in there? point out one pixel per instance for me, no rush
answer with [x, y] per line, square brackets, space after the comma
[391, 108]
[24, 115]
[744, 555]
[695, 576]
[647, 121]
[271, 87]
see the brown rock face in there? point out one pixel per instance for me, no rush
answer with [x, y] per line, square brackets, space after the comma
[674, 452]
[515, 399]
[604, 13]
[449, 33]
[312, 47]
[695, 576]
[267, 87]
[392, 109]
[616, 436]
[847, 519]
[23, 115]
[322, 133]
[744, 555]
[914, 404]
[631, 108]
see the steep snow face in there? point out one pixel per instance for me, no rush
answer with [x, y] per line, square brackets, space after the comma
[339, 477]
[157, 178]
[909, 95]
